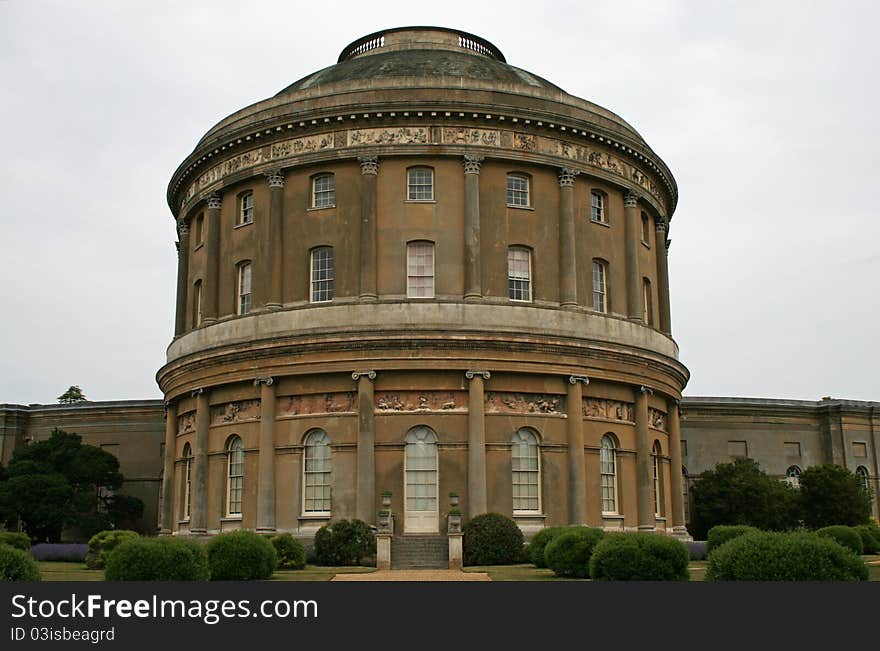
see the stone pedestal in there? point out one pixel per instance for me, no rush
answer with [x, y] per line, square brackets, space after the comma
[383, 551]
[456, 557]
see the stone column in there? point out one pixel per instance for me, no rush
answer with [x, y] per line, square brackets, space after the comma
[477, 502]
[567, 248]
[644, 462]
[275, 237]
[473, 284]
[633, 226]
[577, 508]
[366, 447]
[166, 525]
[266, 459]
[198, 520]
[369, 176]
[182, 276]
[676, 481]
[661, 244]
[211, 285]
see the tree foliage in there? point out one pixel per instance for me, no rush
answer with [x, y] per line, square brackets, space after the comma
[73, 394]
[833, 495]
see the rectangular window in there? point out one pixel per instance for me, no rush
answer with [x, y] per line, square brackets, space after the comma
[197, 304]
[519, 274]
[317, 479]
[420, 184]
[517, 190]
[246, 208]
[598, 208]
[200, 229]
[244, 288]
[236, 480]
[187, 490]
[322, 275]
[646, 229]
[420, 270]
[600, 294]
[323, 191]
[526, 475]
[860, 450]
[737, 449]
[792, 448]
[647, 307]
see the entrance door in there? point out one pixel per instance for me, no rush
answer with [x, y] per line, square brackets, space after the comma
[421, 481]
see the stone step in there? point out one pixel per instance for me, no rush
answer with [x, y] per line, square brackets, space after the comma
[419, 552]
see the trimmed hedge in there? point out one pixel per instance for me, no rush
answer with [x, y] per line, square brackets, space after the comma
[17, 539]
[639, 557]
[870, 538]
[768, 556]
[344, 542]
[17, 565]
[722, 533]
[241, 556]
[291, 553]
[158, 559]
[492, 539]
[846, 536]
[539, 543]
[568, 554]
[104, 542]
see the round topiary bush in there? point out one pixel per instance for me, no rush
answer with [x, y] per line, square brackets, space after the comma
[241, 556]
[767, 556]
[568, 554]
[722, 533]
[846, 536]
[104, 542]
[158, 559]
[539, 543]
[492, 539]
[870, 538]
[639, 557]
[344, 542]
[17, 539]
[17, 565]
[291, 553]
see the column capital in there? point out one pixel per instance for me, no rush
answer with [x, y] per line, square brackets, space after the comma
[566, 177]
[471, 374]
[182, 227]
[212, 199]
[197, 392]
[275, 177]
[668, 244]
[574, 379]
[472, 164]
[631, 199]
[370, 375]
[660, 225]
[647, 390]
[369, 165]
[268, 381]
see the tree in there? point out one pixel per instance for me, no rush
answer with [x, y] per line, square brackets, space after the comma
[73, 394]
[831, 494]
[742, 493]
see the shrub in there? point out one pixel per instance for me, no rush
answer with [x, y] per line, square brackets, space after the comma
[568, 554]
[291, 553]
[846, 536]
[767, 556]
[158, 559]
[698, 549]
[720, 534]
[639, 557]
[70, 552]
[16, 539]
[870, 538]
[539, 543]
[492, 539]
[241, 556]
[17, 565]
[344, 542]
[830, 495]
[104, 542]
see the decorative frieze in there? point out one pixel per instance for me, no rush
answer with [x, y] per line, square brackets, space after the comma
[403, 401]
[523, 403]
[466, 136]
[240, 411]
[318, 403]
[613, 410]
[398, 136]
[186, 423]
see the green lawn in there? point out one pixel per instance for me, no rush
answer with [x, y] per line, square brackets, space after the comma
[523, 572]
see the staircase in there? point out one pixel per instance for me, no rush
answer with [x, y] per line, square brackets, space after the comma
[419, 552]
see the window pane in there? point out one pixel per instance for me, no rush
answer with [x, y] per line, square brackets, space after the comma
[246, 216]
[597, 207]
[517, 190]
[322, 274]
[519, 274]
[420, 184]
[420, 270]
[599, 287]
[323, 191]
[526, 471]
[244, 288]
[316, 496]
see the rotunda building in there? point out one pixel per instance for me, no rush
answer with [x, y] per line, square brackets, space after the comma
[422, 271]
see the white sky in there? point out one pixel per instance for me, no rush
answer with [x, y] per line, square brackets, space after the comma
[764, 111]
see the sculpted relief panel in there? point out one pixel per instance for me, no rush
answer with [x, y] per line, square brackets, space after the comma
[523, 403]
[400, 401]
[186, 423]
[657, 419]
[318, 403]
[235, 412]
[601, 409]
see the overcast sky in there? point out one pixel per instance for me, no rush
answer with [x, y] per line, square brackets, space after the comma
[766, 113]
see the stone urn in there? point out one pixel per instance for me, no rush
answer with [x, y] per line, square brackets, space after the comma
[453, 499]
[386, 500]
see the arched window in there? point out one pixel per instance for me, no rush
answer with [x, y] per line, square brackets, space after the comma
[197, 304]
[598, 207]
[187, 481]
[519, 273]
[647, 302]
[421, 470]
[321, 286]
[518, 190]
[526, 463]
[316, 473]
[793, 476]
[608, 474]
[323, 191]
[245, 208]
[244, 297]
[600, 286]
[234, 476]
[420, 184]
[658, 479]
[420, 270]
[862, 474]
